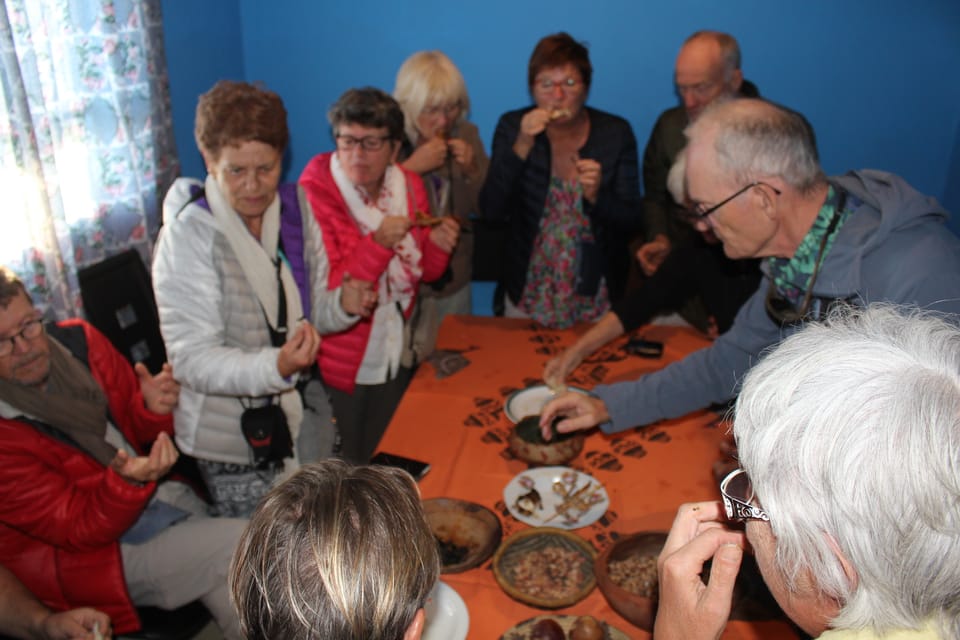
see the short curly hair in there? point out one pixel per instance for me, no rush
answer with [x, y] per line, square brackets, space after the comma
[231, 113]
[367, 107]
[557, 50]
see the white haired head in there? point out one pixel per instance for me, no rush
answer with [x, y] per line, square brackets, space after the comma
[850, 431]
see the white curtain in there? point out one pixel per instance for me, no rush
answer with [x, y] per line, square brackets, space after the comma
[86, 138]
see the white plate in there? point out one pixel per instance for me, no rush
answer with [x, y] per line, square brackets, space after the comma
[543, 479]
[529, 401]
[447, 617]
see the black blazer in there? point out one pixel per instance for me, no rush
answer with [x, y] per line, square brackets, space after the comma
[516, 191]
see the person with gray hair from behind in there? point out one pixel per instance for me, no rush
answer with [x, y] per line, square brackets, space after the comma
[336, 552]
[849, 440]
[753, 178]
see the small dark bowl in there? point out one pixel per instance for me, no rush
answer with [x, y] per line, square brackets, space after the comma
[517, 547]
[468, 533]
[638, 609]
[526, 443]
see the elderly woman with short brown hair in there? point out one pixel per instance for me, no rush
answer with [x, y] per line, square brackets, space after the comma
[564, 176]
[376, 228]
[240, 280]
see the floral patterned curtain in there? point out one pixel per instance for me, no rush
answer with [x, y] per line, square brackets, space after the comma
[86, 138]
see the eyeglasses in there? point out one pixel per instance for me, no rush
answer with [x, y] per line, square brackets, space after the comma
[30, 330]
[448, 110]
[738, 498]
[369, 143]
[700, 211]
[699, 90]
[546, 85]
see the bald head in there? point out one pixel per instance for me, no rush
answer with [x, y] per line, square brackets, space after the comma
[707, 69]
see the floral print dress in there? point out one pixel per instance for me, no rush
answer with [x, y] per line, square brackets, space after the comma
[550, 295]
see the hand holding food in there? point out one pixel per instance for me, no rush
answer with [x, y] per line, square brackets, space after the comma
[557, 369]
[589, 172]
[651, 254]
[391, 231]
[299, 351]
[445, 234]
[690, 609]
[428, 156]
[462, 154]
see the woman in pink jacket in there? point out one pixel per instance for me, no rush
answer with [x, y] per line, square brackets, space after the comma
[375, 221]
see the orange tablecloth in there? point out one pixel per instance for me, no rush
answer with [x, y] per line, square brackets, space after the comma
[458, 425]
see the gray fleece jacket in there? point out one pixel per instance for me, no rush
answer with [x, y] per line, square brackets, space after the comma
[893, 248]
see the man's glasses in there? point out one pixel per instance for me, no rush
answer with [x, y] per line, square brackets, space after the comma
[699, 90]
[700, 211]
[738, 498]
[369, 143]
[30, 330]
[546, 85]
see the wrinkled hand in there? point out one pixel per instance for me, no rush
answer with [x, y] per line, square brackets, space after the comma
[651, 254]
[75, 624]
[428, 156]
[446, 234]
[147, 468]
[462, 154]
[557, 369]
[579, 412]
[589, 172]
[160, 392]
[299, 351]
[534, 122]
[357, 297]
[391, 231]
[690, 609]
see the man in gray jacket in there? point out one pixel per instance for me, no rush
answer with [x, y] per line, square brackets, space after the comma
[754, 179]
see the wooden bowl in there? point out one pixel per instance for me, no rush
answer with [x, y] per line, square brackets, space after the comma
[527, 443]
[640, 609]
[545, 567]
[467, 532]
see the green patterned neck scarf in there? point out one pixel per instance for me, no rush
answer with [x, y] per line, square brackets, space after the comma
[792, 277]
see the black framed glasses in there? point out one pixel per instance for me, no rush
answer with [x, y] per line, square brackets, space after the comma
[369, 143]
[701, 211]
[739, 500]
[30, 330]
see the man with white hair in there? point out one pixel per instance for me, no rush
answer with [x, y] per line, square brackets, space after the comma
[849, 440]
[753, 179]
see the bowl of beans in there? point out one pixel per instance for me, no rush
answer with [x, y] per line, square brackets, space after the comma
[545, 567]
[627, 576]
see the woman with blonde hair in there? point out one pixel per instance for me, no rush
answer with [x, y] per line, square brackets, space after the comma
[336, 552]
[445, 150]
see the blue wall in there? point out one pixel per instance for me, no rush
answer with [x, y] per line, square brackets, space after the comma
[880, 87]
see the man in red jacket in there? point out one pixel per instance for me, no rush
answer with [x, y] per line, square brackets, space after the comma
[84, 517]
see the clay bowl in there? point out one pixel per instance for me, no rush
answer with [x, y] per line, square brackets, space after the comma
[633, 552]
[467, 532]
[527, 443]
[559, 561]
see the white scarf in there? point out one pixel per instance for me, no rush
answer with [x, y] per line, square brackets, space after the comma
[398, 282]
[254, 255]
[261, 272]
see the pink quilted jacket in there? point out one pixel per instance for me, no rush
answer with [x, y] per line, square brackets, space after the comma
[360, 256]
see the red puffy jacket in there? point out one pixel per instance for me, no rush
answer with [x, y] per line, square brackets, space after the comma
[62, 512]
[363, 258]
